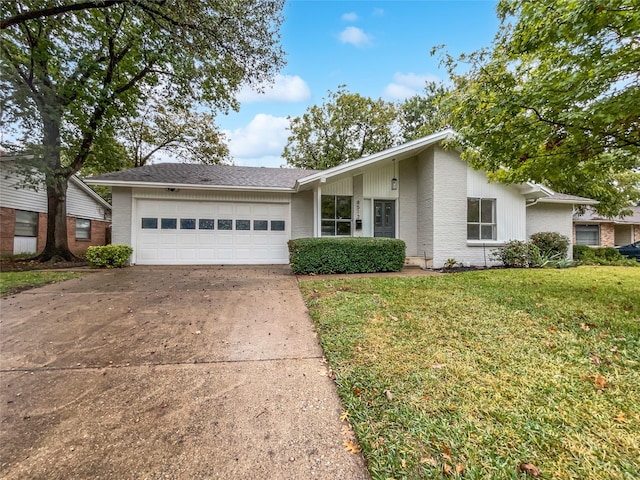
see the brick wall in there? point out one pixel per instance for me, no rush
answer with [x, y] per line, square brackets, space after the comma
[99, 234]
[636, 233]
[607, 235]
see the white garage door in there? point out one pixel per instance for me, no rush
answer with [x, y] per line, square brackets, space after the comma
[172, 232]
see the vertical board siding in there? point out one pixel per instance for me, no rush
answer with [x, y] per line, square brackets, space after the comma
[302, 214]
[341, 187]
[377, 183]
[121, 220]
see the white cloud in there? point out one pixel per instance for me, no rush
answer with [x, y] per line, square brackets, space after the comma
[285, 89]
[406, 85]
[261, 142]
[349, 17]
[355, 36]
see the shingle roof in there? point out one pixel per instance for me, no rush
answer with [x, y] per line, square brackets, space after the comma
[591, 216]
[563, 197]
[208, 175]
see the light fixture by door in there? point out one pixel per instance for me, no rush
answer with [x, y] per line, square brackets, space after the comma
[394, 180]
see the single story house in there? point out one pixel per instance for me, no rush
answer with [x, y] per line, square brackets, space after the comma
[418, 192]
[23, 214]
[594, 230]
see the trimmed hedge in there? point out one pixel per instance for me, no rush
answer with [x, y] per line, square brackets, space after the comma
[109, 256]
[346, 255]
[600, 256]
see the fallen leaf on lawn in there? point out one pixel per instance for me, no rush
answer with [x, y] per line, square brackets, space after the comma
[437, 366]
[595, 360]
[403, 463]
[553, 329]
[395, 319]
[344, 416]
[588, 326]
[599, 381]
[447, 469]
[446, 453]
[429, 461]
[388, 394]
[620, 418]
[357, 391]
[351, 447]
[459, 468]
[529, 469]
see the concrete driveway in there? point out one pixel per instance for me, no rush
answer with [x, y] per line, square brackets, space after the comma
[168, 373]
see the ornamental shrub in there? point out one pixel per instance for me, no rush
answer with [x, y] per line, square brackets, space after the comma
[551, 244]
[601, 256]
[518, 254]
[109, 256]
[346, 255]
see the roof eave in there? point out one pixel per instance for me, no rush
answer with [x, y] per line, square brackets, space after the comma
[188, 186]
[586, 201]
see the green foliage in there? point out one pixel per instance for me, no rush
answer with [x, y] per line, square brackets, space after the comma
[450, 263]
[518, 254]
[551, 243]
[555, 99]
[346, 255]
[601, 256]
[422, 115]
[109, 256]
[345, 127]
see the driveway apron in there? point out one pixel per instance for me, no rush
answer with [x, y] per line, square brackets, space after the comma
[168, 373]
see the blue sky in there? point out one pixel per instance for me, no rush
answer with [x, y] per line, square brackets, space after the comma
[379, 49]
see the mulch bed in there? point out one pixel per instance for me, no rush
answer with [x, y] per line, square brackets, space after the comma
[22, 265]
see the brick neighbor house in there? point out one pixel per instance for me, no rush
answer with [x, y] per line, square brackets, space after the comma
[23, 215]
[594, 230]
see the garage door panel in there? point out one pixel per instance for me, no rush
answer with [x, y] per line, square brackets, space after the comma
[243, 244]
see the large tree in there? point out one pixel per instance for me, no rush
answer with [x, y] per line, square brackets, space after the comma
[345, 127]
[556, 99]
[426, 113]
[71, 70]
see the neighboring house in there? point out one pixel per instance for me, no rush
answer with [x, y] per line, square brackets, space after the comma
[418, 192]
[23, 215]
[594, 230]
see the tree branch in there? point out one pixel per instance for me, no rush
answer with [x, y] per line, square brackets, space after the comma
[23, 17]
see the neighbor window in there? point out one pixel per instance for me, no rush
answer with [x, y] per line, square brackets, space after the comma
[336, 215]
[588, 235]
[481, 219]
[83, 229]
[26, 224]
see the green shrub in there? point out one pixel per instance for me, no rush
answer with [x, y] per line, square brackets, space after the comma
[582, 253]
[601, 256]
[346, 255]
[109, 256]
[551, 244]
[518, 254]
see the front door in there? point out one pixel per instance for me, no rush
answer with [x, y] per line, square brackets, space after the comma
[384, 218]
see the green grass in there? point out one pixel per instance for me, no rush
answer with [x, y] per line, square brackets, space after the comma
[488, 370]
[11, 282]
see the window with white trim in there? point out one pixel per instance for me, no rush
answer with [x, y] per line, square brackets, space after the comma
[83, 229]
[26, 224]
[481, 219]
[336, 215]
[588, 235]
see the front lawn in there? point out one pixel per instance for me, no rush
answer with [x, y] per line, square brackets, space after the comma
[11, 282]
[498, 374]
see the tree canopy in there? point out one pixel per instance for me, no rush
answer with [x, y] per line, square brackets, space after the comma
[345, 127]
[422, 115]
[71, 72]
[555, 100]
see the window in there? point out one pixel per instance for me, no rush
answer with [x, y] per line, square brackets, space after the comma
[187, 224]
[83, 229]
[26, 224]
[168, 223]
[336, 215]
[225, 224]
[260, 225]
[243, 225]
[277, 225]
[481, 219]
[588, 235]
[206, 224]
[149, 223]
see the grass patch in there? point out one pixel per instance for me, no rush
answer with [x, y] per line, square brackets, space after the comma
[12, 282]
[484, 371]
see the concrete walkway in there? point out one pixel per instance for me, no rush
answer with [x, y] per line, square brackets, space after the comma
[168, 373]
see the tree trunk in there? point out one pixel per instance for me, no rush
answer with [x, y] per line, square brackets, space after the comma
[57, 245]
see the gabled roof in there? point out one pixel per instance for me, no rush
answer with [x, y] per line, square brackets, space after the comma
[593, 217]
[77, 181]
[189, 175]
[555, 197]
